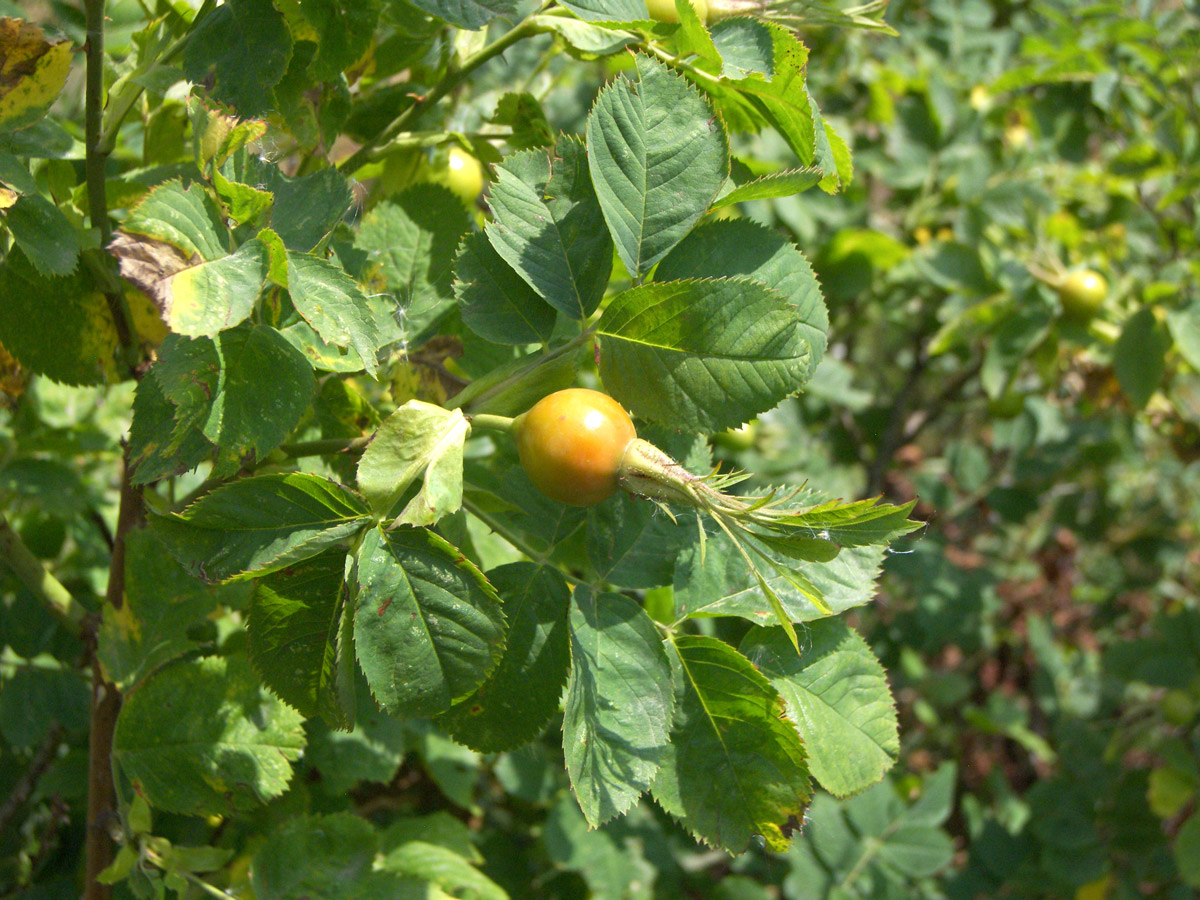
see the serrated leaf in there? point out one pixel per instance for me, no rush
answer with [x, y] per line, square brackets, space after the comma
[523, 114]
[162, 603]
[410, 241]
[619, 703]
[469, 14]
[428, 627]
[838, 698]
[735, 767]
[44, 234]
[35, 71]
[260, 525]
[57, 327]
[443, 867]
[154, 449]
[307, 208]
[332, 303]
[583, 37]
[742, 247]
[418, 437]
[856, 523]
[717, 583]
[548, 226]
[314, 856]
[203, 737]
[292, 632]
[242, 50]
[217, 386]
[188, 220]
[494, 301]
[783, 183]
[205, 299]
[609, 10]
[702, 354]
[782, 97]
[657, 155]
[344, 29]
[633, 544]
[746, 47]
[512, 707]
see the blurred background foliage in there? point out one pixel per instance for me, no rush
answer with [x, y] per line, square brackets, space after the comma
[1042, 633]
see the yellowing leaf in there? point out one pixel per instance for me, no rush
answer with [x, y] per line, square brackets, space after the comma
[32, 72]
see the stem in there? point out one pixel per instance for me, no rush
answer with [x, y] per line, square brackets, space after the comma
[491, 423]
[94, 163]
[518, 542]
[23, 789]
[31, 573]
[106, 704]
[452, 79]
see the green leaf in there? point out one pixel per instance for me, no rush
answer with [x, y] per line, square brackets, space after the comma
[217, 385]
[609, 10]
[440, 828]
[259, 525]
[418, 437]
[44, 234]
[34, 700]
[523, 114]
[214, 296]
[155, 449]
[856, 523]
[314, 856]
[469, 14]
[1140, 356]
[746, 47]
[548, 226]
[912, 849]
[442, 867]
[1187, 850]
[719, 584]
[163, 603]
[332, 303]
[370, 752]
[494, 301]
[632, 544]
[745, 248]
[35, 71]
[613, 869]
[344, 31]
[428, 627]
[735, 767]
[203, 738]
[838, 698]
[187, 220]
[410, 242]
[242, 49]
[57, 327]
[1184, 325]
[619, 703]
[306, 209]
[782, 97]
[704, 354]
[783, 183]
[587, 40]
[658, 156]
[513, 706]
[292, 633]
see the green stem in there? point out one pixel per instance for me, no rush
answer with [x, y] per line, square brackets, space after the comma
[513, 374]
[491, 423]
[452, 79]
[516, 540]
[44, 586]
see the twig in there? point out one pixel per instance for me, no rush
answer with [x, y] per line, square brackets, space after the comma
[452, 79]
[44, 586]
[893, 431]
[23, 790]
